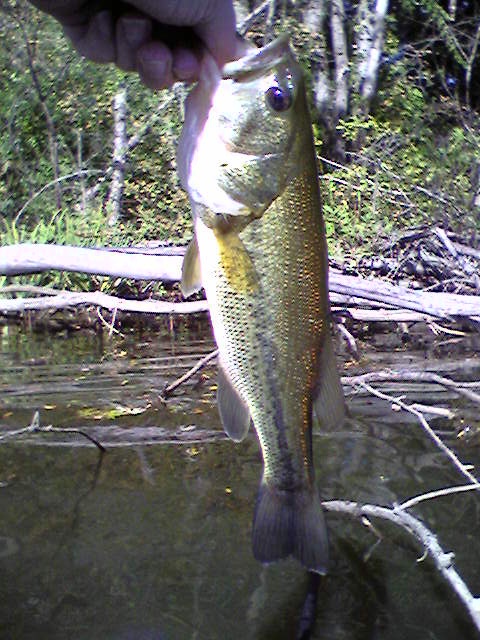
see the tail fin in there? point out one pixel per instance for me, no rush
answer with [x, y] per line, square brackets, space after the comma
[290, 523]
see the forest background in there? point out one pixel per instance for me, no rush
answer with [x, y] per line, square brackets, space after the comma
[87, 154]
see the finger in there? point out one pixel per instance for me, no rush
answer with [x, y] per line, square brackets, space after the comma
[94, 39]
[154, 65]
[185, 65]
[218, 33]
[132, 31]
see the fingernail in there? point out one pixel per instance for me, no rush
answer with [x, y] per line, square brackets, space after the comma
[136, 30]
[155, 69]
[185, 65]
[153, 66]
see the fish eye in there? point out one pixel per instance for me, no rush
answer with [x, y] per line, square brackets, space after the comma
[278, 98]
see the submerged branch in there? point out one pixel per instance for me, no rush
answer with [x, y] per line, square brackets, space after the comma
[112, 436]
[462, 468]
[169, 389]
[443, 561]
[35, 427]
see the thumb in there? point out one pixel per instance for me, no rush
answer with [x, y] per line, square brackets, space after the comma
[218, 33]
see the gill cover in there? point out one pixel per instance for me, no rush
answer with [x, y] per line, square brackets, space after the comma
[236, 150]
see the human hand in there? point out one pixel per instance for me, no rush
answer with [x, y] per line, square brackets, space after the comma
[162, 40]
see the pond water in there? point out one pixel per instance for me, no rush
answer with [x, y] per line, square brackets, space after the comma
[151, 540]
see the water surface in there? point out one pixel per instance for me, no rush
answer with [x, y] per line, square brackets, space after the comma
[152, 541]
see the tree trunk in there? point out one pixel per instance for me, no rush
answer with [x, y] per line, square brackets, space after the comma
[313, 18]
[340, 57]
[370, 47]
[50, 124]
[113, 204]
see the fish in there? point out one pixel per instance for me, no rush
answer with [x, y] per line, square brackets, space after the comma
[246, 157]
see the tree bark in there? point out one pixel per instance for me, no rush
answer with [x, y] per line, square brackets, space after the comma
[370, 47]
[340, 57]
[113, 204]
[33, 258]
[314, 18]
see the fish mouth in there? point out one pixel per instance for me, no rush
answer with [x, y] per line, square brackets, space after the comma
[260, 61]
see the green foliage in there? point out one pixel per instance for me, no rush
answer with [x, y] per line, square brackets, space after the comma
[416, 164]
[77, 96]
[411, 161]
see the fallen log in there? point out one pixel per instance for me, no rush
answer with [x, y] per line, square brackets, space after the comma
[22, 259]
[165, 265]
[356, 290]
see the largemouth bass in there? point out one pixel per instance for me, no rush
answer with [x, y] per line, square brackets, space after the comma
[246, 158]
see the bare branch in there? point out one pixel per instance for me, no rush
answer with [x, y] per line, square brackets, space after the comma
[462, 468]
[442, 560]
[99, 299]
[437, 494]
[34, 427]
[462, 388]
[245, 25]
[169, 389]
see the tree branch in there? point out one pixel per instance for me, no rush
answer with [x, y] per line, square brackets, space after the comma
[34, 427]
[462, 388]
[96, 298]
[458, 464]
[443, 561]
[169, 389]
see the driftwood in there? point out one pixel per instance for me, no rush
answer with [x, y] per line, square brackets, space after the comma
[63, 299]
[354, 294]
[21, 259]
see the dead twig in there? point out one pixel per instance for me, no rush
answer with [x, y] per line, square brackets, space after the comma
[426, 427]
[462, 388]
[349, 339]
[169, 389]
[35, 427]
[109, 325]
[436, 494]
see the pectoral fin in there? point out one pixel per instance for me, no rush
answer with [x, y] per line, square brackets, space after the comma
[233, 411]
[191, 271]
[328, 401]
[236, 263]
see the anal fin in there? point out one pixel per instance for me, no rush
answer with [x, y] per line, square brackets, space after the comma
[191, 271]
[233, 411]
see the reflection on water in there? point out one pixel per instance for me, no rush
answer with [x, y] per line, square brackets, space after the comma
[153, 542]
